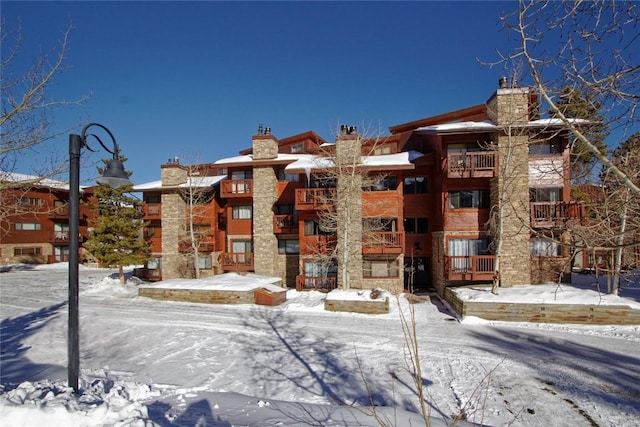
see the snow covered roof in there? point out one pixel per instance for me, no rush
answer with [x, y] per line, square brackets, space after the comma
[196, 181]
[488, 125]
[33, 179]
[399, 159]
[249, 158]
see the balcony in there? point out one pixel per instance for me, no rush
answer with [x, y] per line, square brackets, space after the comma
[314, 198]
[59, 237]
[469, 268]
[382, 242]
[556, 214]
[59, 212]
[319, 244]
[312, 283]
[204, 245]
[236, 188]
[152, 210]
[480, 164]
[237, 261]
[285, 224]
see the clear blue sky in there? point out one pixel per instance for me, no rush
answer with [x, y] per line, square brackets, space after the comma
[194, 79]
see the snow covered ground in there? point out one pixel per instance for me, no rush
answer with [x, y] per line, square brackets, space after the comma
[146, 362]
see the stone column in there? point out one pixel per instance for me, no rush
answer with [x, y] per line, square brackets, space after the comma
[174, 211]
[265, 193]
[349, 209]
[508, 108]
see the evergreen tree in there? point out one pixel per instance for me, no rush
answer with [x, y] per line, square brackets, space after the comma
[574, 104]
[116, 239]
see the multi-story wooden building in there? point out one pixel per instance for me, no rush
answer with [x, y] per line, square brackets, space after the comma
[448, 186]
[35, 220]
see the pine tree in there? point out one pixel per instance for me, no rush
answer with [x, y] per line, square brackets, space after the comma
[116, 239]
[573, 104]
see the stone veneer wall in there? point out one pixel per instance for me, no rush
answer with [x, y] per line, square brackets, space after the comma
[509, 108]
[173, 221]
[349, 212]
[437, 261]
[265, 192]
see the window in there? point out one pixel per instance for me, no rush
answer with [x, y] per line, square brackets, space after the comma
[551, 194]
[27, 251]
[28, 201]
[380, 267]
[248, 174]
[27, 226]
[463, 199]
[416, 225]
[154, 263]
[385, 149]
[379, 224]
[312, 228]
[415, 185]
[462, 249]
[545, 148]
[204, 261]
[242, 212]
[241, 246]
[153, 198]
[463, 147]
[61, 231]
[285, 209]
[289, 246]
[388, 183]
[542, 246]
[287, 177]
[297, 148]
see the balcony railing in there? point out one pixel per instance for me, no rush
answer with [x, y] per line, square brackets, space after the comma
[314, 198]
[237, 188]
[205, 245]
[237, 261]
[59, 236]
[480, 164]
[152, 210]
[59, 212]
[556, 214]
[312, 283]
[383, 242]
[285, 224]
[470, 268]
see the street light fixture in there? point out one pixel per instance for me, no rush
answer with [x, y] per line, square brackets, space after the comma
[114, 176]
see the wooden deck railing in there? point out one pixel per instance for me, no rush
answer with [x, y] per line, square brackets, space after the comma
[471, 165]
[237, 188]
[285, 223]
[471, 268]
[383, 241]
[311, 283]
[237, 261]
[314, 198]
[556, 214]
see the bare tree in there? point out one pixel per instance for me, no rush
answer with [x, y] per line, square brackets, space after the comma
[342, 176]
[26, 122]
[198, 195]
[589, 47]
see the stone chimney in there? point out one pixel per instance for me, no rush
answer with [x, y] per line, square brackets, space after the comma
[173, 218]
[509, 109]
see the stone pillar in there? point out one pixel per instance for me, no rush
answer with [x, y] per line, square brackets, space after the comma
[174, 211]
[349, 209]
[437, 262]
[265, 193]
[508, 108]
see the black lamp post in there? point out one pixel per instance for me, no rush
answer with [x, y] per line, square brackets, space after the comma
[114, 176]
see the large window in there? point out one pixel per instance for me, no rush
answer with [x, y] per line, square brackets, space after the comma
[549, 147]
[463, 199]
[287, 177]
[380, 267]
[152, 198]
[242, 212]
[29, 201]
[388, 183]
[550, 194]
[27, 251]
[542, 246]
[312, 228]
[289, 246]
[27, 226]
[204, 261]
[241, 246]
[461, 249]
[415, 185]
[416, 225]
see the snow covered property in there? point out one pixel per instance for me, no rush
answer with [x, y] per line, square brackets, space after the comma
[147, 362]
